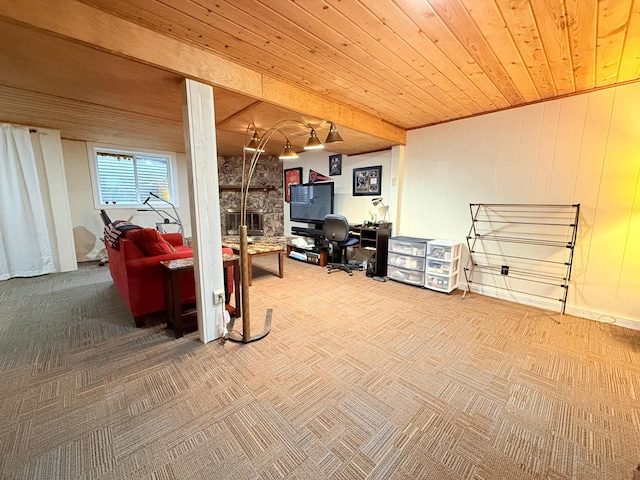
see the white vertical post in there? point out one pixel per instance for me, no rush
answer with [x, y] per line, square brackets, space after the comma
[200, 142]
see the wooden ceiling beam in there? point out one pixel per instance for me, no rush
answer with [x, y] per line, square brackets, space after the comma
[81, 23]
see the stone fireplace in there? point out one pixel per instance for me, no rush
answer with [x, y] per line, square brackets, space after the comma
[255, 222]
[265, 202]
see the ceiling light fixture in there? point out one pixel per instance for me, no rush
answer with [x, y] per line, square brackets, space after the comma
[333, 136]
[314, 142]
[288, 153]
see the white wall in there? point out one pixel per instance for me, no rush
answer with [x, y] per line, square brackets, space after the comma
[85, 218]
[582, 149]
[356, 209]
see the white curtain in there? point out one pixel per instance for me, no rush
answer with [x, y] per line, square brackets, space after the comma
[25, 245]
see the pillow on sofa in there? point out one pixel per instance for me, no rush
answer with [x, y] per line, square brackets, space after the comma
[149, 241]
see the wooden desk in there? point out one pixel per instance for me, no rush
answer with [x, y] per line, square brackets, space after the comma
[375, 238]
[173, 270]
[258, 250]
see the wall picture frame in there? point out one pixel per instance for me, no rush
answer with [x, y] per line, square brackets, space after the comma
[335, 164]
[367, 181]
[292, 176]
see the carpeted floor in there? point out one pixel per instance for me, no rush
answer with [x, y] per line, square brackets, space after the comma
[357, 379]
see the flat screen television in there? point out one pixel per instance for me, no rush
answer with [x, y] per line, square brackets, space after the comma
[310, 202]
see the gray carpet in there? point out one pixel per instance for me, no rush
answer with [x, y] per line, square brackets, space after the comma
[357, 379]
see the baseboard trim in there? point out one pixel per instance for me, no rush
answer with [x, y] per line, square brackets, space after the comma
[599, 317]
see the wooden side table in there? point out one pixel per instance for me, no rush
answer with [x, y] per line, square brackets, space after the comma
[173, 270]
[233, 260]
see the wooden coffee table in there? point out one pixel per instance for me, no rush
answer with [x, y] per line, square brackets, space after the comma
[260, 249]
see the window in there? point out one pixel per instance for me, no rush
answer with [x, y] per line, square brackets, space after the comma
[124, 178]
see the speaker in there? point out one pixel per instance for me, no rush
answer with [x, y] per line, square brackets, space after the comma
[371, 266]
[313, 258]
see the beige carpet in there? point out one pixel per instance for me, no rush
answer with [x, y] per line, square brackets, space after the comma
[357, 379]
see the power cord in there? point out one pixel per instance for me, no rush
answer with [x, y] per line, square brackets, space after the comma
[610, 322]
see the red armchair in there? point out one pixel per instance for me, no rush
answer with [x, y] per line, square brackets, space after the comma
[138, 278]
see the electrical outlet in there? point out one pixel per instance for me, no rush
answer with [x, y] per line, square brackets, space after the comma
[218, 296]
[504, 270]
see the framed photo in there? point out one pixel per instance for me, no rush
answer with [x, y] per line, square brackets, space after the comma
[335, 164]
[367, 181]
[292, 176]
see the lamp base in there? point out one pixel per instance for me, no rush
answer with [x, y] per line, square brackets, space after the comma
[241, 338]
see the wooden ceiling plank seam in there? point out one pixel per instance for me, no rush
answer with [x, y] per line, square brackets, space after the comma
[116, 78]
[64, 114]
[79, 121]
[181, 32]
[74, 20]
[386, 71]
[359, 99]
[581, 22]
[630, 63]
[501, 41]
[301, 62]
[402, 85]
[551, 21]
[91, 105]
[416, 103]
[184, 31]
[459, 21]
[443, 75]
[439, 46]
[613, 17]
[383, 81]
[405, 29]
[443, 44]
[377, 47]
[71, 19]
[519, 21]
[191, 33]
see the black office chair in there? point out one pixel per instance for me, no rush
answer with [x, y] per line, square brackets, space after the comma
[336, 230]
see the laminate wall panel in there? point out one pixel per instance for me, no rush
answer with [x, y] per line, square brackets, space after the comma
[581, 149]
[587, 182]
[614, 214]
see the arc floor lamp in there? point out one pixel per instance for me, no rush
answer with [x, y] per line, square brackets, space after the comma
[256, 146]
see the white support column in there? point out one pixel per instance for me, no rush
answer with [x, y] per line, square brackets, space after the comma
[200, 142]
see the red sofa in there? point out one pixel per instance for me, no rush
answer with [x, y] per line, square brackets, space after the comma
[139, 279]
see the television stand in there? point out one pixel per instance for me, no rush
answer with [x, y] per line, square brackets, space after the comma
[313, 231]
[315, 256]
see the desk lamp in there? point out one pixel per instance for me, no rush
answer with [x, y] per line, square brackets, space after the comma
[382, 208]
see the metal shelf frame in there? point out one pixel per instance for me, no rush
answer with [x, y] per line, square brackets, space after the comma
[530, 247]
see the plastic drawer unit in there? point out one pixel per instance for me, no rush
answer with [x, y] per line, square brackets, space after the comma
[443, 265]
[406, 261]
[405, 276]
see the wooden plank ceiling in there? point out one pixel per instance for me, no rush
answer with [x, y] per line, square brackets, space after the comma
[409, 63]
